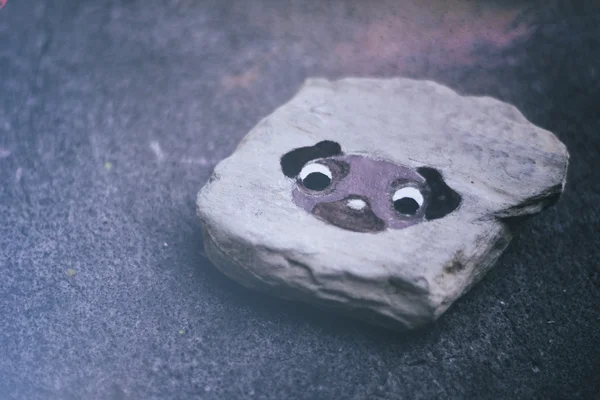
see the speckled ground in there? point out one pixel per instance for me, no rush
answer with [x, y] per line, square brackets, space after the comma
[113, 114]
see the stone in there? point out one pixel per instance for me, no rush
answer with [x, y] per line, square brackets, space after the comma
[384, 199]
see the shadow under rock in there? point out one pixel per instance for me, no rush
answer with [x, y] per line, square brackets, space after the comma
[281, 311]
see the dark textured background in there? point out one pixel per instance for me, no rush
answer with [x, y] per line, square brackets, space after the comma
[113, 114]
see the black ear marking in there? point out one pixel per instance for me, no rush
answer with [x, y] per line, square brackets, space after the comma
[442, 199]
[292, 162]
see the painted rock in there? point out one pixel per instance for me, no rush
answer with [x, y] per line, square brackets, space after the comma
[385, 199]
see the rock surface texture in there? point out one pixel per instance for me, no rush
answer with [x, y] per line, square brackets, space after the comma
[386, 199]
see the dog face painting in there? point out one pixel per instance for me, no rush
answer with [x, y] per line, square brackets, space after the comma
[363, 194]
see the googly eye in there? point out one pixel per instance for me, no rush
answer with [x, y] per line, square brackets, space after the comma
[316, 176]
[407, 200]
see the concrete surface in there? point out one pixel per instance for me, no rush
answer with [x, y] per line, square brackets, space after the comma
[113, 114]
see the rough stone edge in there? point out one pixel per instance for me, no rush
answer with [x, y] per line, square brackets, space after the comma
[230, 267]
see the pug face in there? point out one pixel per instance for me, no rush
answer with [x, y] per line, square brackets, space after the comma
[362, 194]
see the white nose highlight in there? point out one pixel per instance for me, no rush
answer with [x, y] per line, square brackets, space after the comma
[356, 204]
